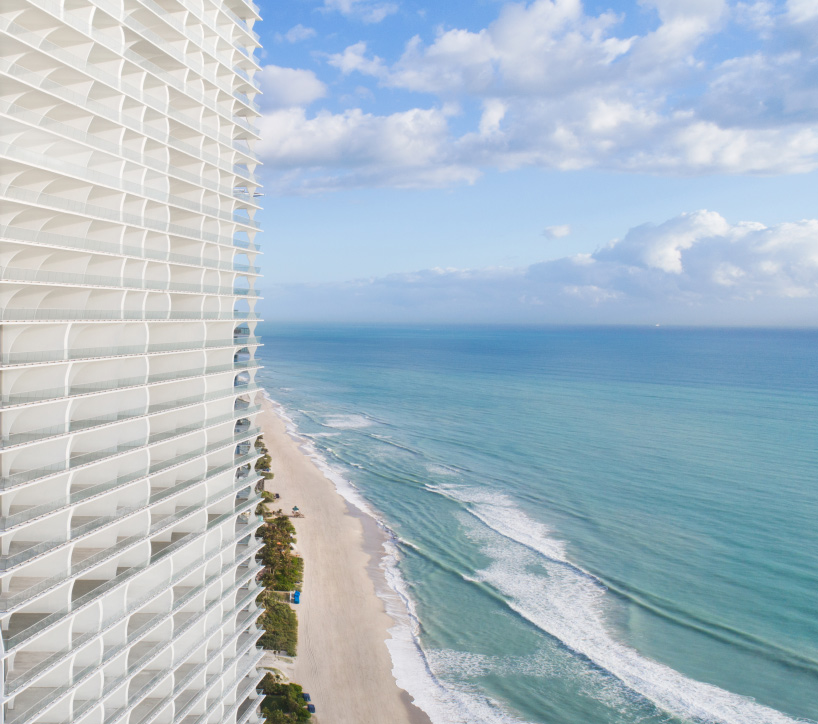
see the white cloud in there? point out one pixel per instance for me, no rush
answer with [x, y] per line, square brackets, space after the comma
[801, 11]
[407, 149]
[563, 89]
[298, 33]
[370, 11]
[694, 269]
[289, 87]
[556, 232]
[354, 59]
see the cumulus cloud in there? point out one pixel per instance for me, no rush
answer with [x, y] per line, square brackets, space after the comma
[696, 268]
[289, 87]
[370, 11]
[298, 33]
[556, 232]
[333, 150]
[559, 87]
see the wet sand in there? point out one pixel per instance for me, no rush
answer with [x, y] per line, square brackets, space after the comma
[342, 661]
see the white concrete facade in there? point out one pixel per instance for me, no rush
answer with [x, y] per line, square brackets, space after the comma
[127, 345]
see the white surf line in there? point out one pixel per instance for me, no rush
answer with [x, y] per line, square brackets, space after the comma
[568, 606]
[411, 669]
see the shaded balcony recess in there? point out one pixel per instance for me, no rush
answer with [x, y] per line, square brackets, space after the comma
[244, 649]
[189, 62]
[89, 423]
[57, 278]
[91, 280]
[52, 695]
[37, 41]
[92, 491]
[58, 393]
[18, 554]
[16, 358]
[24, 476]
[253, 661]
[10, 600]
[10, 314]
[64, 168]
[61, 241]
[44, 622]
[45, 200]
[151, 622]
[94, 140]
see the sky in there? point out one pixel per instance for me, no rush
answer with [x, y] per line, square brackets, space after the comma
[549, 161]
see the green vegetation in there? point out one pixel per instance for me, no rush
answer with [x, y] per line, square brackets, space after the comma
[283, 572]
[282, 703]
[280, 626]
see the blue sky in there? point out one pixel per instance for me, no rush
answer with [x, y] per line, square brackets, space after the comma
[543, 161]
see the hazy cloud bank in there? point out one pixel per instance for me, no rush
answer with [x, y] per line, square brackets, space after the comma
[693, 269]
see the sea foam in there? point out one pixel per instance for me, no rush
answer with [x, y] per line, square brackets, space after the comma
[442, 702]
[569, 605]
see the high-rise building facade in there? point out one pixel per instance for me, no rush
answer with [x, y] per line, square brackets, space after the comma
[127, 342]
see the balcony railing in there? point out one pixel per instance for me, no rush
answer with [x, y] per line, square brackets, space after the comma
[79, 460]
[46, 238]
[126, 120]
[92, 315]
[113, 42]
[11, 560]
[115, 183]
[74, 390]
[53, 505]
[24, 677]
[156, 527]
[240, 674]
[52, 619]
[144, 159]
[115, 82]
[16, 358]
[243, 649]
[80, 708]
[84, 424]
[196, 11]
[30, 196]
[97, 280]
[9, 601]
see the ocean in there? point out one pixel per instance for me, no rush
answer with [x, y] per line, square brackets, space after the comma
[588, 526]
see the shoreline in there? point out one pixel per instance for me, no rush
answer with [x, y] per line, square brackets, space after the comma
[343, 659]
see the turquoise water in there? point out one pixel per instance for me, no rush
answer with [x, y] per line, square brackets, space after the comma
[592, 526]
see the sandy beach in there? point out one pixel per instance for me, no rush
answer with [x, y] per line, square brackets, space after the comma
[342, 661]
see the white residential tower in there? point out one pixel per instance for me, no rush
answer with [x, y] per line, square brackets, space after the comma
[127, 343]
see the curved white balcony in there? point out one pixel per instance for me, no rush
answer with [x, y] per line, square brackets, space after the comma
[44, 84]
[80, 208]
[46, 238]
[20, 678]
[246, 548]
[95, 280]
[19, 477]
[116, 45]
[85, 353]
[83, 173]
[55, 694]
[127, 554]
[39, 120]
[9, 600]
[37, 42]
[10, 399]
